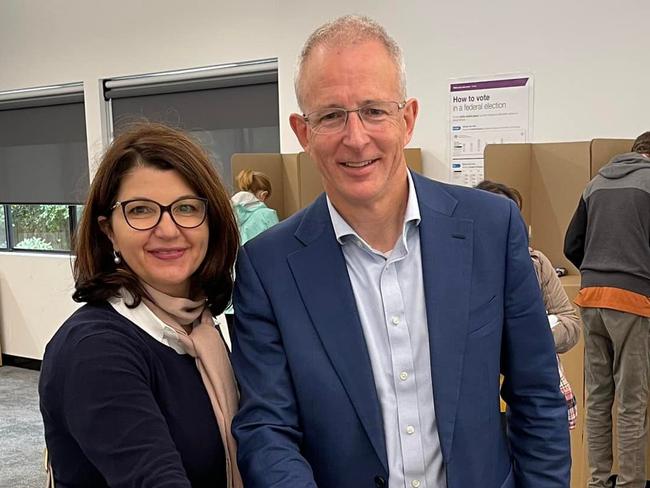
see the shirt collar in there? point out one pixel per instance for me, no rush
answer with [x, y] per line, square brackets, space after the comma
[146, 320]
[342, 229]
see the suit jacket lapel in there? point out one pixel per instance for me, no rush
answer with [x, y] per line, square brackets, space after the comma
[321, 275]
[446, 244]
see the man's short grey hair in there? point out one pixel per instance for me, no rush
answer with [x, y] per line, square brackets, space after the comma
[343, 31]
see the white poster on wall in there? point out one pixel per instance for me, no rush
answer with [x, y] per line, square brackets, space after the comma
[486, 110]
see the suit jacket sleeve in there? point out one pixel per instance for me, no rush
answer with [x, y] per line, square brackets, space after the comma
[267, 427]
[538, 428]
[574, 240]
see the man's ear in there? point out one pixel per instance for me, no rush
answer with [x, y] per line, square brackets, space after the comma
[410, 115]
[105, 226]
[301, 129]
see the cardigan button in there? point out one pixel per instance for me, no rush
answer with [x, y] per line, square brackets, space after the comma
[380, 482]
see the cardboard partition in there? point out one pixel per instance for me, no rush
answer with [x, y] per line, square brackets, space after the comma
[551, 178]
[295, 179]
[573, 364]
[602, 150]
[291, 185]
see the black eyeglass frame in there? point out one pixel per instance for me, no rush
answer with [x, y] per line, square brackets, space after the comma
[163, 209]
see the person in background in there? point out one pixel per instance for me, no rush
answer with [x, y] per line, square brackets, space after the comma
[136, 389]
[608, 240]
[372, 325]
[562, 316]
[253, 216]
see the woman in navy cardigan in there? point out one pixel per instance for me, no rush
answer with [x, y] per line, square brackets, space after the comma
[136, 387]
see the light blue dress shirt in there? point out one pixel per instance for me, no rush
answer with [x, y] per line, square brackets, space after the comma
[389, 293]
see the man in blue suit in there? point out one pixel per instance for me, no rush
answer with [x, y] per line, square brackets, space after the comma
[372, 326]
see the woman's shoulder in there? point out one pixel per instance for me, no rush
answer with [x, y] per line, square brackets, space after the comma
[93, 320]
[93, 316]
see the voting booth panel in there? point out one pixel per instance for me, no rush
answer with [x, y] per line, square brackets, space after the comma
[551, 178]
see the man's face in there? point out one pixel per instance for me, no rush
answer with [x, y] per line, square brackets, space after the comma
[361, 164]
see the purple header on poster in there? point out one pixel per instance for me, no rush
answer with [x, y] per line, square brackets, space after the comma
[482, 85]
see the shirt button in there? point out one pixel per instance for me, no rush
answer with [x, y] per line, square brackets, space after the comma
[403, 375]
[410, 429]
[415, 483]
[395, 320]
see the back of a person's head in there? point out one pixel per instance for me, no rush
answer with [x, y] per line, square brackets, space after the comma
[501, 189]
[641, 144]
[253, 182]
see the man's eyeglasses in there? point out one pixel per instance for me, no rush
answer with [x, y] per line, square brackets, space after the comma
[146, 214]
[332, 120]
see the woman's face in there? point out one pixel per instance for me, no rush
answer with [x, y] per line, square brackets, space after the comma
[167, 255]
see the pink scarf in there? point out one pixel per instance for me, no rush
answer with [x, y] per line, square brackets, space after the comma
[206, 345]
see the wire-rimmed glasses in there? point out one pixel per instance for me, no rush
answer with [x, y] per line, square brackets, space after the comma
[334, 119]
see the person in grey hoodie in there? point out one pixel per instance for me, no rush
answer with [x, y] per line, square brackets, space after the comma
[608, 239]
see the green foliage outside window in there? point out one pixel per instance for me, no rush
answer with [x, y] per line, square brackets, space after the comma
[41, 227]
[35, 243]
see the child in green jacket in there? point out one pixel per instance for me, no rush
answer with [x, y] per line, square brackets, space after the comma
[253, 216]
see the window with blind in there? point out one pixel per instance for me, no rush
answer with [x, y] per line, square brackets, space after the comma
[43, 166]
[229, 108]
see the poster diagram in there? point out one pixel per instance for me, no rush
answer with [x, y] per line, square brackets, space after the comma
[485, 111]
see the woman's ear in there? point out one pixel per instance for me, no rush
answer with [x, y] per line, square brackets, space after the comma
[262, 195]
[105, 226]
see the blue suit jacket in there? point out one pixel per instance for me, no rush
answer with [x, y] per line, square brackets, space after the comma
[309, 411]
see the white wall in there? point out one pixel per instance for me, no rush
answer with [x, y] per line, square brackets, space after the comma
[35, 299]
[589, 59]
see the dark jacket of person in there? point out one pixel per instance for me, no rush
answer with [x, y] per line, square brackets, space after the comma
[608, 238]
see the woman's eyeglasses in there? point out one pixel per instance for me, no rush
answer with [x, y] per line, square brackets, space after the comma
[145, 214]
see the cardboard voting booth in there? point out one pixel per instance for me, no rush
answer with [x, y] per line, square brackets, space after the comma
[551, 178]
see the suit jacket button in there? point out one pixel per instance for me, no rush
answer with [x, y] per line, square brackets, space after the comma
[380, 482]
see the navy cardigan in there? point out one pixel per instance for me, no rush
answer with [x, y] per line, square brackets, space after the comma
[121, 409]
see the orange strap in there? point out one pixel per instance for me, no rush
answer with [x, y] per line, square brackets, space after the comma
[615, 299]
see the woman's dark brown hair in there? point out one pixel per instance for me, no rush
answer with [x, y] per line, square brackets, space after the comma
[501, 189]
[96, 275]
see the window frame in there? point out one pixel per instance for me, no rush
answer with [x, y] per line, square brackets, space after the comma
[11, 238]
[5, 230]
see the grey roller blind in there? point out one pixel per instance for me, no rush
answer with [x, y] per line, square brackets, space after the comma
[229, 109]
[221, 108]
[43, 151]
